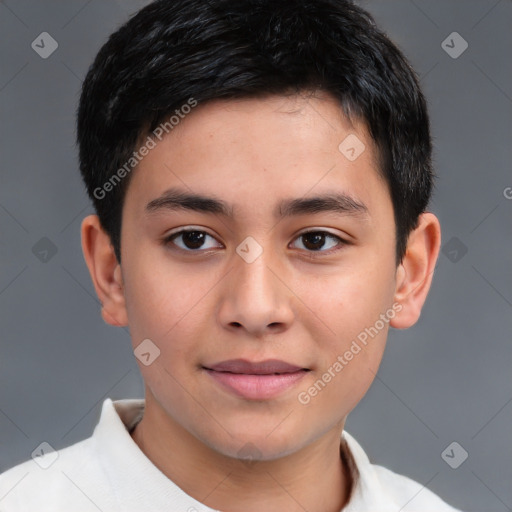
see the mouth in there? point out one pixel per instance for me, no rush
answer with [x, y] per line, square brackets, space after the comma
[256, 380]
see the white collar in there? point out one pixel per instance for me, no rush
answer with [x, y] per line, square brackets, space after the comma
[127, 467]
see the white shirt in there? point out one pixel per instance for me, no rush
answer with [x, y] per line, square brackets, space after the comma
[109, 473]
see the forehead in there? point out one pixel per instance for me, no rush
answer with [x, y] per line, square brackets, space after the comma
[254, 151]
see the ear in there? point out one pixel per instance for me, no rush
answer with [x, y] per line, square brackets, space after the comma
[415, 272]
[105, 271]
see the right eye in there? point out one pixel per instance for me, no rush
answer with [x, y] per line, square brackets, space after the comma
[191, 240]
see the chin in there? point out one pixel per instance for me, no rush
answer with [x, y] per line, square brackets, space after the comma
[255, 445]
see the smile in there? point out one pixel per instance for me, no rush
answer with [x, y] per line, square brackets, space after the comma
[256, 381]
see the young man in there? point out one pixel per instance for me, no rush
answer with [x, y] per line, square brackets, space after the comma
[260, 171]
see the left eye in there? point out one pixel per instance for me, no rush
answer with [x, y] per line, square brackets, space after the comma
[316, 241]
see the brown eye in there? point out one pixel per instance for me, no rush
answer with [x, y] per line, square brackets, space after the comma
[313, 241]
[191, 240]
[319, 241]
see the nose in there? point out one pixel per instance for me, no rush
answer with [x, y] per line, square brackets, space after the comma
[255, 299]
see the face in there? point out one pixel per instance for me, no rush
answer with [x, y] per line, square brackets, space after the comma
[286, 265]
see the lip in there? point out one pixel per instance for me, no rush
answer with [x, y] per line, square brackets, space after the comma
[256, 380]
[267, 367]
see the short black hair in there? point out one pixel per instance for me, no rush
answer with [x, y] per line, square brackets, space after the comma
[173, 52]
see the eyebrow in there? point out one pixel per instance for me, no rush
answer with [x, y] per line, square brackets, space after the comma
[177, 199]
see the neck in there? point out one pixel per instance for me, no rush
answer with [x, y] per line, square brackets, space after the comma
[313, 478]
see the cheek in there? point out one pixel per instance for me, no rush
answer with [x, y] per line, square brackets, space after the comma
[162, 298]
[348, 302]
[165, 307]
[350, 305]
[347, 370]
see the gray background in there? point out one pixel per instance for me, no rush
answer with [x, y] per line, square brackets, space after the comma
[446, 379]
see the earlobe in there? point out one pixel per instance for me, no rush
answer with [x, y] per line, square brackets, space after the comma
[415, 272]
[105, 271]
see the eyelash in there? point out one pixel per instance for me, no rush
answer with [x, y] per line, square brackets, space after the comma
[310, 253]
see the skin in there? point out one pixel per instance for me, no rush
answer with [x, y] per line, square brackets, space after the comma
[301, 306]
